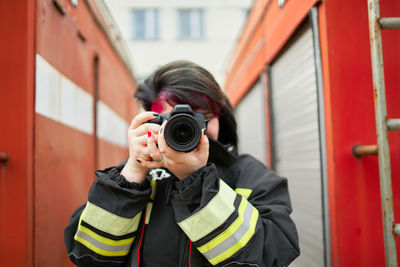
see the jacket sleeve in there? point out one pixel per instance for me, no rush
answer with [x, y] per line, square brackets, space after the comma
[249, 226]
[101, 232]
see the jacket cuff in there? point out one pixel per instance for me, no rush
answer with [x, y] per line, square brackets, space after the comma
[195, 192]
[195, 179]
[115, 175]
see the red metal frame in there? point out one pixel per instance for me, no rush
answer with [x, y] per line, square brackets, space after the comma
[267, 109]
[335, 259]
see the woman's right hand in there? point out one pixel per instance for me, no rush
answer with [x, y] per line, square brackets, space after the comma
[138, 149]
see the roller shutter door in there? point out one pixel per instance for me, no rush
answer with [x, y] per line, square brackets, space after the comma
[295, 132]
[251, 122]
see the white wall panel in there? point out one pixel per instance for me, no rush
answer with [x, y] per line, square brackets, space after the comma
[297, 143]
[69, 96]
[60, 99]
[47, 100]
[110, 126]
[84, 106]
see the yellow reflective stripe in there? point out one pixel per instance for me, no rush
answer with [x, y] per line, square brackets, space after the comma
[148, 212]
[242, 242]
[110, 223]
[105, 240]
[228, 232]
[244, 192]
[213, 215]
[153, 184]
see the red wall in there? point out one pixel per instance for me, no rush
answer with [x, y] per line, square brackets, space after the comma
[16, 128]
[354, 183]
[51, 165]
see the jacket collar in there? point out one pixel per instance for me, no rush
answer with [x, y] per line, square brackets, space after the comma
[219, 154]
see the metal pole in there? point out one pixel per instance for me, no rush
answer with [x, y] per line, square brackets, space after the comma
[3, 158]
[321, 121]
[390, 23]
[360, 151]
[393, 124]
[383, 147]
[397, 229]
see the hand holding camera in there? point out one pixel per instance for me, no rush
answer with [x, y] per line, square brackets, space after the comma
[134, 171]
[180, 145]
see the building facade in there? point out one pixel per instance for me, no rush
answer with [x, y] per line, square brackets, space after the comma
[160, 31]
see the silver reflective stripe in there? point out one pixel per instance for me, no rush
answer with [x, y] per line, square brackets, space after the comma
[213, 215]
[234, 238]
[101, 245]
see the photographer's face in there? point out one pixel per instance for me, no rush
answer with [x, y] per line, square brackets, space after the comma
[212, 126]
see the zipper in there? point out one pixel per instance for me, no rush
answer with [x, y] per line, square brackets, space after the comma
[186, 253]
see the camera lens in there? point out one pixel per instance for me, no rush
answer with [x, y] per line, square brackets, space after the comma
[182, 132]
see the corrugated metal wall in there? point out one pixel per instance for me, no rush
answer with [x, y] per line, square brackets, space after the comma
[296, 139]
[250, 116]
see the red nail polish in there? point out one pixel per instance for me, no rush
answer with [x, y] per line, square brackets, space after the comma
[149, 134]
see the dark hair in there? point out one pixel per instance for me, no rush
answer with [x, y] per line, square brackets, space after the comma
[184, 82]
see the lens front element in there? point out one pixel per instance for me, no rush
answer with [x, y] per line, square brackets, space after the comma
[182, 133]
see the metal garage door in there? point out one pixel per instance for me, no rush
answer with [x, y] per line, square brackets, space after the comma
[251, 122]
[296, 139]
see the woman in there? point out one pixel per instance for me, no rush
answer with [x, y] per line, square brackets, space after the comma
[200, 208]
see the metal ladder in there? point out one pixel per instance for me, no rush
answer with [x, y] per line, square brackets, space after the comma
[390, 229]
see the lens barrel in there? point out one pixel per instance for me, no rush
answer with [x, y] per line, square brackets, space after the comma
[182, 133]
[183, 128]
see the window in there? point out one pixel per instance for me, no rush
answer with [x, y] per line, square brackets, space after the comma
[191, 24]
[145, 24]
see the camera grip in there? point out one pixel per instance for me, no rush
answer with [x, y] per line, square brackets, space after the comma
[159, 120]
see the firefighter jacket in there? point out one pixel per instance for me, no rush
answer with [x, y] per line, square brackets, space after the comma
[232, 212]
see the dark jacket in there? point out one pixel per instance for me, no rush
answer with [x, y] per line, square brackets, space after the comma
[232, 212]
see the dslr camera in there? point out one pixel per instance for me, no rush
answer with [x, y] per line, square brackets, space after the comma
[183, 129]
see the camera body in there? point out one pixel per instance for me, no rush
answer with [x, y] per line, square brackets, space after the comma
[182, 131]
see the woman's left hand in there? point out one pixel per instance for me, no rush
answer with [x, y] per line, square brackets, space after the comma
[181, 164]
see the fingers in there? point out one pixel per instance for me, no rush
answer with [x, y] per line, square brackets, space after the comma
[138, 147]
[145, 128]
[151, 164]
[137, 136]
[204, 143]
[143, 154]
[142, 118]
[156, 158]
[142, 140]
[162, 144]
[152, 146]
